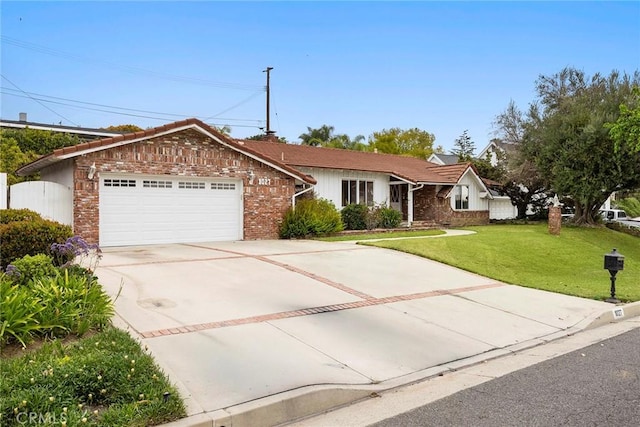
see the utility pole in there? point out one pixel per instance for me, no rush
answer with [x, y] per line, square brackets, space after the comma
[269, 131]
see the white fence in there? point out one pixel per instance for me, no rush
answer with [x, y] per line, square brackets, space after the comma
[51, 200]
[3, 190]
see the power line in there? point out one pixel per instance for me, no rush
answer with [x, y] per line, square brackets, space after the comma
[166, 119]
[28, 96]
[50, 99]
[249, 98]
[134, 70]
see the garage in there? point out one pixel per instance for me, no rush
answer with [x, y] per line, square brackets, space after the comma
[152, 209]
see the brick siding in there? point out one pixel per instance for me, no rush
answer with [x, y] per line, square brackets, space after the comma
[429, 207]
[187, 153]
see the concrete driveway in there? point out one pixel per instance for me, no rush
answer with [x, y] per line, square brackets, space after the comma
[261, 332]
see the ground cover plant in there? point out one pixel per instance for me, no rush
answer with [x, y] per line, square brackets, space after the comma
[102, 380]
[571, 263]
[381, 235]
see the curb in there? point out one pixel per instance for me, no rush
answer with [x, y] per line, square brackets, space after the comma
[307, 401]
[616, 314]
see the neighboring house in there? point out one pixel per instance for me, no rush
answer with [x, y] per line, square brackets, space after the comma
[496, 150]
[500, 206]
[443, 159]
[186, 182]
[82, 133]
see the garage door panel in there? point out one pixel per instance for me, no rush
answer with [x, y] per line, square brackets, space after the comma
[164, 209]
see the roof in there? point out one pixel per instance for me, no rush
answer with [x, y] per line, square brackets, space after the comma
[129, 138]
[287, 158]
[410, 169]
[444, 159]
[505, 147]
[80, 131]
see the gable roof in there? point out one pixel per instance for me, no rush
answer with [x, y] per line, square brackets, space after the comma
[410, 169]
[496, 144]
[443, 159]
[119, 140]
[287, 158]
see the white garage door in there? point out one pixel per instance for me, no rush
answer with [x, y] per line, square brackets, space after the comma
[138, 210]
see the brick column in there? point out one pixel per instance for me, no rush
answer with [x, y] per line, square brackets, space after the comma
[555, 220]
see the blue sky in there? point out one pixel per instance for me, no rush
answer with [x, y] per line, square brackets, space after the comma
[443, 67]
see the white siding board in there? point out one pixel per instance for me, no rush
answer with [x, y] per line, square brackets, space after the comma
[329, 184]
[61, 173]
[475, 202]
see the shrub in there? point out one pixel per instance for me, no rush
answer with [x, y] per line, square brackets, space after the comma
[354, 216]
[19, 314]
[630, 205]
[388, 217]
[74, 303]
[30, 238]
[15, 215]
[75, 249]
[310, 217]
[24, 270]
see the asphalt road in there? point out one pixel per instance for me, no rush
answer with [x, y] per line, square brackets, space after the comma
[597, 385]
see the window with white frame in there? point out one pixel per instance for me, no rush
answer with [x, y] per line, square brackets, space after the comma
[356, 191]
[462, 197]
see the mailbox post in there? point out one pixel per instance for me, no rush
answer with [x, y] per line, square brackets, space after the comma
[613, 262]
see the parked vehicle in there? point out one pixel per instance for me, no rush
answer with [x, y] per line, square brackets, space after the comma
[613, 215]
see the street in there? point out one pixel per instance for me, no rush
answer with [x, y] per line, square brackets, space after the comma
[598, 385]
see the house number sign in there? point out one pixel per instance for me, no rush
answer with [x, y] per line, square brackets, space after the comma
[264, 181]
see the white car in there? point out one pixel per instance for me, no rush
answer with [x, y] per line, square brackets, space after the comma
[613, 215]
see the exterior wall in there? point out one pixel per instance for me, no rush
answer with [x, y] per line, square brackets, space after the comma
[429, 207]
[61, 173]
[501, 208]
[329, 184]
[476, 203]
[187, 153]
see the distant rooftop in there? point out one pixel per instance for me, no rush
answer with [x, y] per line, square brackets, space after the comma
[85, 133]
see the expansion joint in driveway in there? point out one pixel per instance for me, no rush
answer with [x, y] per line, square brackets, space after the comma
[370, 301]
[297, 270]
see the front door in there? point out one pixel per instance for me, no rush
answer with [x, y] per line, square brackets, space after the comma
[396, 197]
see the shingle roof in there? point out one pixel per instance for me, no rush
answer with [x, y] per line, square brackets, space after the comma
[447, 159]
[101, 144]
[405, 167]
[288, 157]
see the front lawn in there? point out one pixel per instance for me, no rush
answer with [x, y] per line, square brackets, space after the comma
[528, 255]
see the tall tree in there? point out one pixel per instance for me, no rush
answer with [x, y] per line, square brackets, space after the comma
[411, 142]
[625, 132]
[317, 137]
[346, 143]
[12, 158]
[567, 139]
[40, 141]
[521, 180]
[464, 147]
[128, 128]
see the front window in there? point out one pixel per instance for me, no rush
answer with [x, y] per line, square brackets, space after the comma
[355, 191]
[462, 197]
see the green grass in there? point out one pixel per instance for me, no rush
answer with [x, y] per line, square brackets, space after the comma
[382, 235]
[571, 263]
[102, 380]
